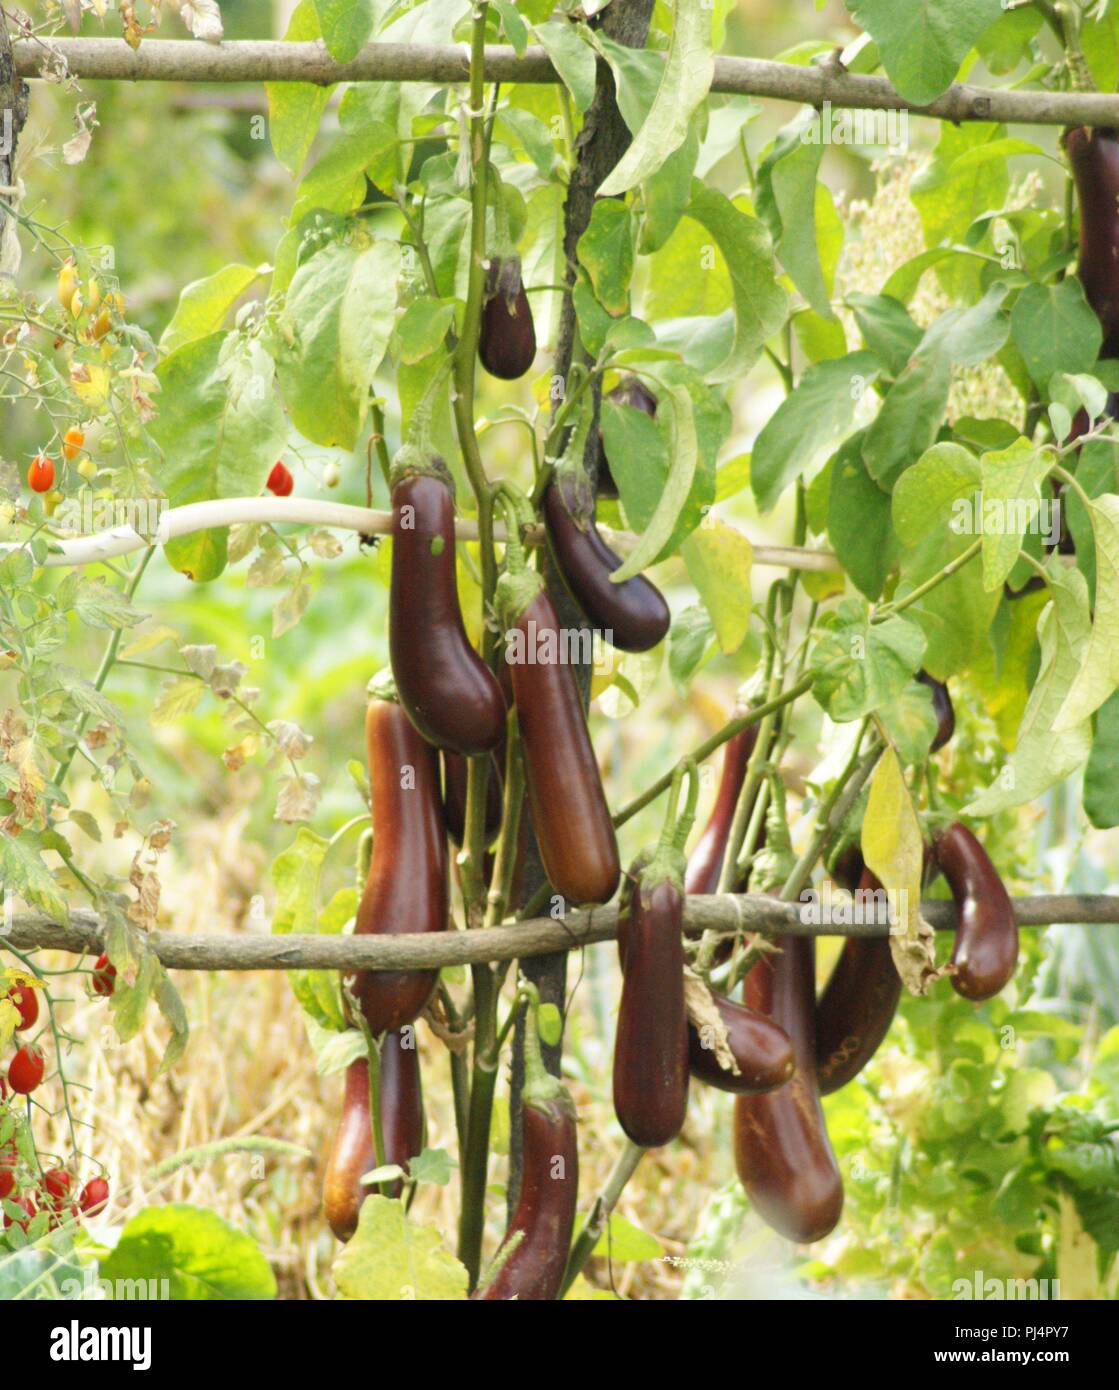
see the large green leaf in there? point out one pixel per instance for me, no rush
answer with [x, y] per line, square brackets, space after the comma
[346, 26]
[1055, 329]
[809, 424]
[200, 1256]
[860, 666]
[1101, 785]
[204, 305]
[1011, 505]
[295, 108]
[688, 71]
[760, 304]
[786, 202]
[923, 42]
[336, 323]
[220, 425]
[859, 522]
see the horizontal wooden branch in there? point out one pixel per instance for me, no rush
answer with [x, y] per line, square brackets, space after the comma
[308, 511]
[190, 60]
[726, 914]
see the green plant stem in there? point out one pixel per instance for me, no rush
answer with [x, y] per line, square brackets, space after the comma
[832, 815]
[379, 443]
[465, 361]
[475, 1157]
[599, 1214]
[711, 745]
[505, 860]
[107, 661]
[891, 610]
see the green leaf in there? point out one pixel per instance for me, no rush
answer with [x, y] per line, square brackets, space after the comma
[220, 428]
[422, 328]
[24, 874]
[1011, 505]
[688, 642]
[950, 198]
[627, 1243]
[337, 182]
[1099, 673]
[923, 42]
[204, 305]
[719, 560]
[910, 722]
[665, 196]
[337, 318]
[859, 521]
[887, 330]
[392, 1259]
[786, 202]
[606, 251]
[1055, 329]
[861, 666]
[1101, 786]
[688, 71]
[201, 1257]
[295, 872]
[684, 453]
[808, 425]
[913, 410]
[295, 108]
[346, 26]
[571, 57]
[516, 31]
[1042, 758]
[926, 495]
[760, 304]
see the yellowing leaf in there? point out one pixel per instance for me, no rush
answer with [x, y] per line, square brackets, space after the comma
[392, 1259]
[90, 383]
[719, 559]
[893, 850]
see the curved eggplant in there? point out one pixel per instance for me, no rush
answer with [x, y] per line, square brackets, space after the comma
[858, 1004]
[762, 1050]
[450, 694]
[632, 616]
[352, 1154]
[532, 1259]
[407, 889]
[942, 708]
[651, 1044]
[705, 863]
[574, 831]
[781, 1147]
[986, 949]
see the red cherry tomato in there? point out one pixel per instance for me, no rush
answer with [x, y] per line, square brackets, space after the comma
[104, 976]
[280, 481]
[9, 1157]
[26, 1001]
[94, 1196]
[40, 476]
[56, 1185]
[26, 1069]
[27, 1203]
